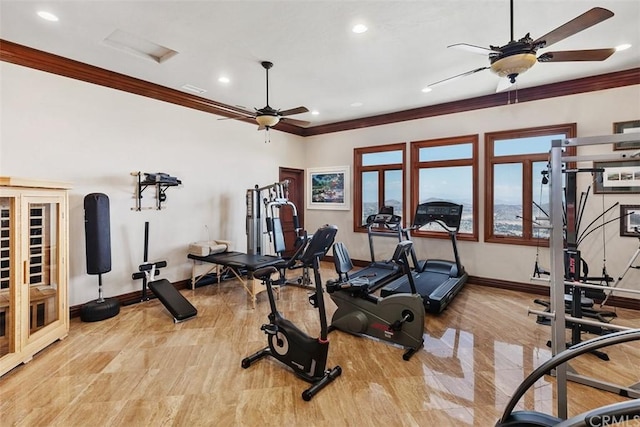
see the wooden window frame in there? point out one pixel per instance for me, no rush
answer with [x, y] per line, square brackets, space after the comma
[528, 236]
[416, 165]
[357, 179]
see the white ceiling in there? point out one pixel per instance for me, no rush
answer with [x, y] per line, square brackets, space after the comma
[319, 62]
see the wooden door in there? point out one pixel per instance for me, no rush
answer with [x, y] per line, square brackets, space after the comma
[296, 196]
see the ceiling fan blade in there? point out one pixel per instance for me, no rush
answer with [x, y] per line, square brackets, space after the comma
[292, 111]
[473, 49]
[239, 116]
[582, 22]
[459, 76]
[295, 121]
[576, 55]
[233, 118]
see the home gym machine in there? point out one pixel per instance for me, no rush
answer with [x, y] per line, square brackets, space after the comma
[264, 205]
[307, 356]
[580, 301]
[398, 318]
[557, 281]
[437, 281]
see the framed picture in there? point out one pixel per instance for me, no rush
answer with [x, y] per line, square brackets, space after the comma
[328, 188]
[629, 220]
[627, 127]
[622, 177]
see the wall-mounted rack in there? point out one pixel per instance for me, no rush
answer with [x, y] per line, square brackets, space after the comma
[161, 181]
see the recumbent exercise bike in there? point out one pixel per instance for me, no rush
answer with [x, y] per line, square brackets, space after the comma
[397, 318]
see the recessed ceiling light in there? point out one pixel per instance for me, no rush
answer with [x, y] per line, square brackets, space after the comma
[357, 104]
[427, 89]
[623, 47]
[47, 16]
[359, 28]
[315, 112]
[224, 79]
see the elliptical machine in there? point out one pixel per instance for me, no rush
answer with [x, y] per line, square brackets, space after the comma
[397, 318]
[306, 355]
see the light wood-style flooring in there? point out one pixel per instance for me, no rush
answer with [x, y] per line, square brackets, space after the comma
[141, 369]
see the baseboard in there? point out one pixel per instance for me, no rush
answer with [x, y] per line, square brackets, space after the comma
[613, 301]
[529, 288]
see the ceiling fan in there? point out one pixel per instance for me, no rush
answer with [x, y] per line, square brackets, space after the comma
[267, 117]
[516, 57]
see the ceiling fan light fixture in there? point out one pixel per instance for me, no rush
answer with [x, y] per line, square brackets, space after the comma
[267, 120]
[513, 64]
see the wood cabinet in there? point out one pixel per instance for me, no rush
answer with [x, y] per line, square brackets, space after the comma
[34, 309]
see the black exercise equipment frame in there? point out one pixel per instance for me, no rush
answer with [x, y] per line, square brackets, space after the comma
[437, 297]
[511, 418]
[305, 355]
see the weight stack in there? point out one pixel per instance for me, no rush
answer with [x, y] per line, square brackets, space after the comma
[97, 230]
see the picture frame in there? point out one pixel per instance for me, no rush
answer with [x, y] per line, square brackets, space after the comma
[629, 219]
[329, 188]
[632, 126]
[618, 177]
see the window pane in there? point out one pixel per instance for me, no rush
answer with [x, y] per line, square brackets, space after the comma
[370, 204]
[531, 145]
[540, 199]
[382, 158]
[507, 199]
[453, 184]
[393, 190]
[446, 152]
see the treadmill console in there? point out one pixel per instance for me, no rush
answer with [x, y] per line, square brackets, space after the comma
[447, 213]
[385, 219]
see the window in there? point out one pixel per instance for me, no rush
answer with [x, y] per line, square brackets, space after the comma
[446, 169]
[378, 181]
[515, 193]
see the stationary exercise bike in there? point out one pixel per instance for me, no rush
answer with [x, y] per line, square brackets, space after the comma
[306, 355]
[397, 318]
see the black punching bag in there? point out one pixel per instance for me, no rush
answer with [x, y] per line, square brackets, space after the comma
[97, 233]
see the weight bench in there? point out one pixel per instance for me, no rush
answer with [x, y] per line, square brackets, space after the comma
[179, 307]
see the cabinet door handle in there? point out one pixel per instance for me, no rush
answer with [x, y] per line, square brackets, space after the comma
[24, 272]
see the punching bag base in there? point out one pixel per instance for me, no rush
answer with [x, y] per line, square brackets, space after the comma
[95, 311]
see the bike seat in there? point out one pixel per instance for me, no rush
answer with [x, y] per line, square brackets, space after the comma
[264, 273]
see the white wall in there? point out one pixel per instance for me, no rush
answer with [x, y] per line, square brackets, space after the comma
[594, 114]
[59, 129]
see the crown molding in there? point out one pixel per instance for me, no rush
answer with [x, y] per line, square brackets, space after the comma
[44, 61]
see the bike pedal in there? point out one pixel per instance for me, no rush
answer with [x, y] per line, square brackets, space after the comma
[313, 300]
[269, 329]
